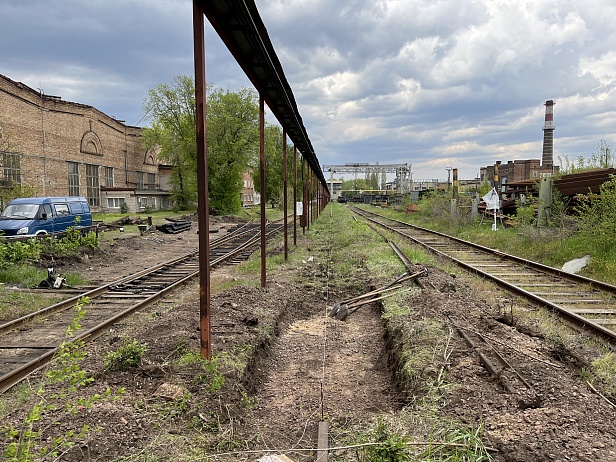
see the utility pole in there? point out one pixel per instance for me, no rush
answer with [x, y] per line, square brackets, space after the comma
[449, 177]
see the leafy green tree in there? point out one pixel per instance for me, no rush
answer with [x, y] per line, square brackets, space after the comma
[232, 137]
[604, 152]
[355, 184]
[172, 109]
[274, 172]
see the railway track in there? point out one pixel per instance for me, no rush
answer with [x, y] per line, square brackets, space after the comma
[584, 302]
[29, 342]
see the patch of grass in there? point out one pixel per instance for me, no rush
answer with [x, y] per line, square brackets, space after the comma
[410, 436]
[423, 361]
[17, 303]
[456, 444]
[604, 369]
[220, 284]
[126, 357]
[23, 275]
[396, 305]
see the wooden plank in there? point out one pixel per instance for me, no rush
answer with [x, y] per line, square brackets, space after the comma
[323, 443]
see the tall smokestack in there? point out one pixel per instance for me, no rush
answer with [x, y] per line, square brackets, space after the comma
[548, 135]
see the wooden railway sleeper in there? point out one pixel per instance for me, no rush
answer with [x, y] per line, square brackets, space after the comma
[486, 363]
[527, 398]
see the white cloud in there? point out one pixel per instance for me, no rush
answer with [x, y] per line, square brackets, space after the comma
[430, 82]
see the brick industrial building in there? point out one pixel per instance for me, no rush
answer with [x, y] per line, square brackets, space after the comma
[59, 148]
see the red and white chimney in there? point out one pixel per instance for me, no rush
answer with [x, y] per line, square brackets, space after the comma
[548, 135]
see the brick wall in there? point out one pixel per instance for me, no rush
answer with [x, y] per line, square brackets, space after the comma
[48, 133]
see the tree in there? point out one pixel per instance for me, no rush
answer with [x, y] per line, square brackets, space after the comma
[172, 109]
[274, 174]
[232, 136]
[604, 151]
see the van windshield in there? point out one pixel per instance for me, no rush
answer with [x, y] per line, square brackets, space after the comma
[20, 211]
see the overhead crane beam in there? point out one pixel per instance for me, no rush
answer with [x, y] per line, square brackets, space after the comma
[240, 27]
[402, 171]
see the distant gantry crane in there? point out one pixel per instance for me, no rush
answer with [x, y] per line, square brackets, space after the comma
[403, 172]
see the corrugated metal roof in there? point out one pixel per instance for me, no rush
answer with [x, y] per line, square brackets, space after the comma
[584, 182]
[240, 27]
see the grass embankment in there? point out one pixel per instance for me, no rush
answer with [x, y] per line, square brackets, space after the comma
[591, 232]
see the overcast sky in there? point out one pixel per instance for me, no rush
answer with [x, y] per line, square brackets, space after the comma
[432, 83]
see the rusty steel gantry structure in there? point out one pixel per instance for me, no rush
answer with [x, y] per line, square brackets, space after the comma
[404, 176]
[240, 27]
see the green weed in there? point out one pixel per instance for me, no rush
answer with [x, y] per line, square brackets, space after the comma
[126, 357]
[65, 374]
[457, 445]
[605, 370]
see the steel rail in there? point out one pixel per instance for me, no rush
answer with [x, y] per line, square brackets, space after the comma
[538, 297]
[16, 375]
[70, 302]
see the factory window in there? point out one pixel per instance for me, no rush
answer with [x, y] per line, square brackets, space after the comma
[140, 180]
[151, 181]
[93, 191]
[73, 178]
[147, 202]
[12, 168]
[115, 202]
[109, 177]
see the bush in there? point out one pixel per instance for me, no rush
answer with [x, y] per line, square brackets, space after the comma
[126, 357]
[20, 251]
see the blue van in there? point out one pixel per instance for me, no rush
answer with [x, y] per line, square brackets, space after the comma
[33, 216]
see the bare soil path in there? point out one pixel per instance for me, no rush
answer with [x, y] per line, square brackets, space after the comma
[302, 366]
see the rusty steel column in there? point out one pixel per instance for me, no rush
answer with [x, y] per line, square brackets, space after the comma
[294, 195]
[309, 193]
[202, 181]
[455, 183]
[314, 196]
[317, 201]
[284, 194]
[305, 205]
[262, 180]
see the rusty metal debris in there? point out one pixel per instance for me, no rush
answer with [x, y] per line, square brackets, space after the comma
[507, 375]
[174, 227]
[345, 308]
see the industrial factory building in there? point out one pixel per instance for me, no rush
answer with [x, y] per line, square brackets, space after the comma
[531, 169]
[53, 147]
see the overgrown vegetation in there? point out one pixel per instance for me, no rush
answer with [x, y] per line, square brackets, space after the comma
[56, 393]
[590, 230]
[126, 357]
[20, 261]
[70, 244]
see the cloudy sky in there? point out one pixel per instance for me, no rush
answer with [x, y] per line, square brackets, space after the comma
[432, 83]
